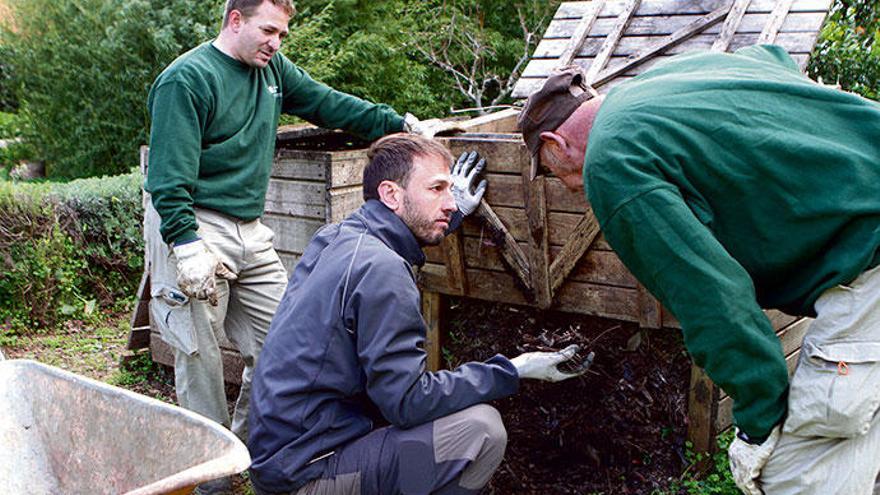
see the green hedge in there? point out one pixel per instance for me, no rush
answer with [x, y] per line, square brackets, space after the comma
[848, 51]
[68, 250]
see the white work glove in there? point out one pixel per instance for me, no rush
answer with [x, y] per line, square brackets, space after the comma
[427, 128]
[747, 460]
[464, 174]
[543, 365]
[197, 267]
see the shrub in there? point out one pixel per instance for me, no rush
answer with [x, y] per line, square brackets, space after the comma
[68, 249]
[848, 51]
[84, 69]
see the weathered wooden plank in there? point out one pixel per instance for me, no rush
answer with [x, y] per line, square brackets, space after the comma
[300, 165]
[454, 259]
[139, 336]
[611, 40]
[574, 10]
[702, 410]
[432, 313]
[510, 250]
[233, 365]
[543, 64]
[582, 236]
[506, 190]
[343, 201]
[297, 198]
[539, 245]
[774, 24]
[561, 226]
[527, 85]
[504, 153]
[560, 31]
[588, 17]
[502, 121]
[650, 309]
[731, 25]
[291, 234]
[661, 45]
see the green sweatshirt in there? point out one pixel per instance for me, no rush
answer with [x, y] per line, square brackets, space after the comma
[731, 182]
[213, 129]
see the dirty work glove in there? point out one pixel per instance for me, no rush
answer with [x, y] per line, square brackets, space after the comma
[197, 267]
[427, 128]
[464, 173]
[543, 365]
[747, 460]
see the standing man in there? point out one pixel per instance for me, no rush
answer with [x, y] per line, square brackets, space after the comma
[214, 117]
[347, 348]
[731, 182]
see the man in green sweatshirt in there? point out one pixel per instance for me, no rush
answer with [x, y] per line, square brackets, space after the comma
[731, 182]
[214, 116]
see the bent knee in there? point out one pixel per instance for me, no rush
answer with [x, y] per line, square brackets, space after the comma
[487, 420]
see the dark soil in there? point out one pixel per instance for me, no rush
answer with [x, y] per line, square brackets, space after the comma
[619, 429]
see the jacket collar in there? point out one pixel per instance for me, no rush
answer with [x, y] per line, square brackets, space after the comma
[390, 229]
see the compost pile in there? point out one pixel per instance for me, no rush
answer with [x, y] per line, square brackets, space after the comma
[618, 429]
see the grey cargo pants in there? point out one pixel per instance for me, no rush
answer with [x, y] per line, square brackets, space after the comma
[194, 328]
[452, 455]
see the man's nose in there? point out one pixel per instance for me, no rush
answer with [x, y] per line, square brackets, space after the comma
[449, 201]
[275, 42]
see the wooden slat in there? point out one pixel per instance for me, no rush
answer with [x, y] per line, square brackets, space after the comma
[569, 10]
[702, 410]
[342, 202]
[576, 245]
[291, 234]
[580, 34]
[731, 25]
[297, 198]
[611, 40]
[432, 313]
[504, 153]
[559, 31]
[139, 335]
[669, 41]
[650, 309]
[515, 219]
[777, 18]
[502, 121]
[510, 250]
[506, 190]
[596, 266]
[539, 245]
[454, 259]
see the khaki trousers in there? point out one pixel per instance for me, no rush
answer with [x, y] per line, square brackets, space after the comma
[194, 328]
[830, 441]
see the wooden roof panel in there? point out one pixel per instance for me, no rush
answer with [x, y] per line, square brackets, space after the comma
[667, 27]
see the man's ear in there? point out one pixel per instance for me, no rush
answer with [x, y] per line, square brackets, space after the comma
[235, 20]
[552, 137]
[390, 194]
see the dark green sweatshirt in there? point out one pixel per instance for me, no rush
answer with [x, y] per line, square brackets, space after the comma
[213, 129]
[731, 182]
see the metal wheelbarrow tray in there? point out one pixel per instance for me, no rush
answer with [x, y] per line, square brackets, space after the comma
[62, 433]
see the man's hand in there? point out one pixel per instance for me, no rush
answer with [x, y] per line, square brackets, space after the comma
[747, 460]
[543, 365]
[197, 267]
[427, 128]
[464, 174]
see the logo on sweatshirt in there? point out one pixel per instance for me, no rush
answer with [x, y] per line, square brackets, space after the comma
[273, 90]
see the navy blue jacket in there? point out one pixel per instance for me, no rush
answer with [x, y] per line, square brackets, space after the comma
[346, 339]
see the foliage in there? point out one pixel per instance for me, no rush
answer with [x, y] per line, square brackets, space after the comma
[848, 51]
[718, 479]
[83, 68]
[68, 249]
[10, 125]
[8, 101]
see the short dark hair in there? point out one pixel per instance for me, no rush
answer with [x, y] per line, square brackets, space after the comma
[247, 7]
[391, 158]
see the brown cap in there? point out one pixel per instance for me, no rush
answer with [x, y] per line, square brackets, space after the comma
[546, 109]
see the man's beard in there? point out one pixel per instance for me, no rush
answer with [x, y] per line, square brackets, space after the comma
[421, 226]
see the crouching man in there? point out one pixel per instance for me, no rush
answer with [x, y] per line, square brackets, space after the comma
[346, 347]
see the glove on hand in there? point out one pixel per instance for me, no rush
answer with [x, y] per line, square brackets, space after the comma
[464, 173]
[543, 365]
[747, 460]
[428, 128]
[196, 268]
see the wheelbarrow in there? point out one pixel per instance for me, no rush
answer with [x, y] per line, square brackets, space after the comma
[61, 433]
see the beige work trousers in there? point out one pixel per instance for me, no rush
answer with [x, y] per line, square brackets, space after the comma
[830, 441]
[194, 328]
